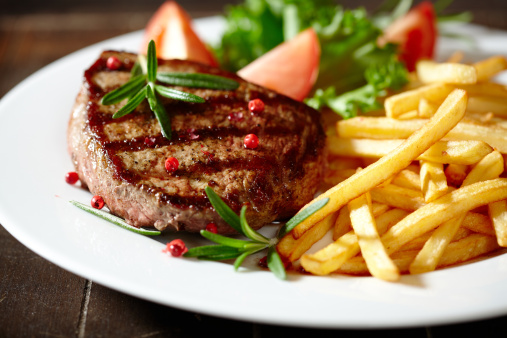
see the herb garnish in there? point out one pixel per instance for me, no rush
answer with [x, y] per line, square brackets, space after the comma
[143, 85]
[115, 220]
[229, 248]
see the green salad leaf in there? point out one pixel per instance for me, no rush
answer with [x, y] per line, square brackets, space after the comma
[391, 75]
[348, 40]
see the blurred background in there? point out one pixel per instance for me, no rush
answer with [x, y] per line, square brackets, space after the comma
[34, 33]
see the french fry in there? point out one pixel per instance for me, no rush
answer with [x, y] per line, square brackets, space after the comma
[486, 119]
[490, 167]
[340, 163]
[498, 214]
[386, 128]
[343, 223]
[430, 72]
[426, 109]
[427, 259]
[330, 258]
[378, 262]
[404, 102]
[479, 223]
[335, 254]
[407, 179]
[463, 250]
[441, 210]
[485, 89]
[433, 180]
[336, 176]
[389, 218]
[490, 67]
[413, 114]
[418, 243]
[293, 249]
[455, 174]
[447, 116]
[484, 104]
[457, 152]
[398, 197]
[467, 248]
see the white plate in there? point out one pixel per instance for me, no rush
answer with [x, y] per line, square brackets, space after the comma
[34, 208]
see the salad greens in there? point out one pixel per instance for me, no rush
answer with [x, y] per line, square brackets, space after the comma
[350, 55]
[348, 39]
[391, 75]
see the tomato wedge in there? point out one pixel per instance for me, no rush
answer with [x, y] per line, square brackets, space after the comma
[290, 68]
[416, 33]
[171, 29]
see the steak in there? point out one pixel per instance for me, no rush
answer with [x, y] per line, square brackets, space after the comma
[123, 159]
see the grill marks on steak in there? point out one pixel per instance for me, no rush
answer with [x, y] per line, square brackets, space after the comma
[123, 159]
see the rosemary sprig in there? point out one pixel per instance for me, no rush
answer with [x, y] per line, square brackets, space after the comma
[230, 248]
[114, 219]
[142, 85]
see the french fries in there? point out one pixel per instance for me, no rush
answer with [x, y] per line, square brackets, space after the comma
[399, 104]
[490, 67]
[455, 152]
[433, 180]
[386, 128]
[490, 167]
[372, 249]
[443, 209]
[447, 116]
[430, 72]
[434, 189]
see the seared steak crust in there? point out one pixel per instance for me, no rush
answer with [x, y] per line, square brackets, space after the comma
[122, 160]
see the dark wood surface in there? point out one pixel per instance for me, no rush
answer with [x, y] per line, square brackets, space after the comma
[40, 299]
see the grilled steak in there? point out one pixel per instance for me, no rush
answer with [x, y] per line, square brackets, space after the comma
[122, 159]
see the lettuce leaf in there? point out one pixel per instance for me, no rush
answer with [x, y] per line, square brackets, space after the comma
[348, 39]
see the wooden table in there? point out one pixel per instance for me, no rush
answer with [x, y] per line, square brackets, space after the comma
[38, 298]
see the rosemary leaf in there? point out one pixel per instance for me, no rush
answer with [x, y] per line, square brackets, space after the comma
[132, 103]
[160, 113]
[235, 243]
[114, 219]
[208, 250]
[152, 62]
[240, 259]
[255, 246]
[178, 95]
[128, 90]
[248, 231]
[302, 215]
[136, 69]
[198, 80]
[275, 263]
[221, 256]
[223, 210]
[143, 63]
